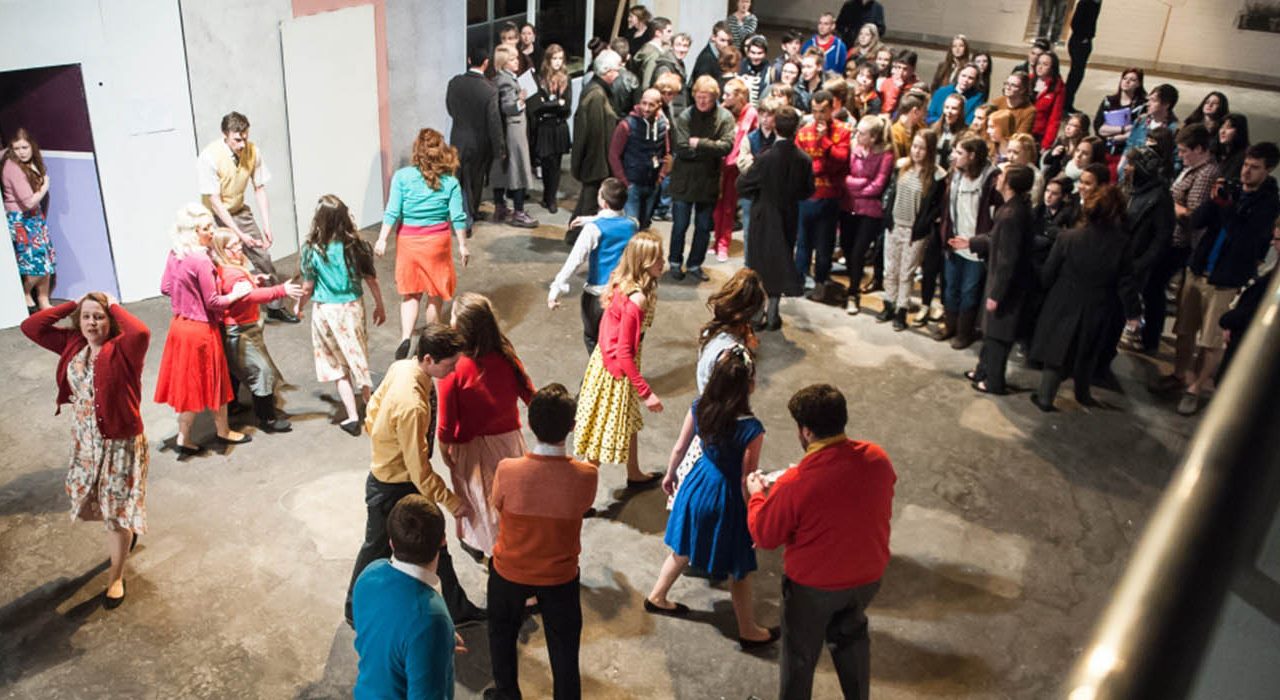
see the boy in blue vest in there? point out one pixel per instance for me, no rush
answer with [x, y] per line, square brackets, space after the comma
[640, 155]
[404, 635]
[600, 245]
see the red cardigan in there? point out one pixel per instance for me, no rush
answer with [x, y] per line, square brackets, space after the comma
[621, 329]
[832, 512]
[244, 311]
[479, 398]
[117, 371]
[1049, 104]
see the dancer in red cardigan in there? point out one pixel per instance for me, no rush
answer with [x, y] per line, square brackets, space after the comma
[100, 374]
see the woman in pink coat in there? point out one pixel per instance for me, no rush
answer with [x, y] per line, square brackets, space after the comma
[862, 215]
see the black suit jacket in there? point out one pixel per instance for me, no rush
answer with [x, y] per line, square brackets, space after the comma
[707, 63]
[472, 102]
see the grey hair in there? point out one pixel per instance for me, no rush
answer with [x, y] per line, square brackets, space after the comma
[606, 61]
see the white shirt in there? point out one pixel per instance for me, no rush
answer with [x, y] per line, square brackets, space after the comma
[710, 354]
[418, 572]
[542, 449]
[207, 172]
[587, 241]
[968, 194]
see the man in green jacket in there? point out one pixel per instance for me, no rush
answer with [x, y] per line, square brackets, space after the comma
[593, 126]
[703, 137]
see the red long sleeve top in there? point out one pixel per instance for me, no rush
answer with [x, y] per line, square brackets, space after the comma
[1049, 104]
[830, 155]
[117, 371]
[244, 311]
[832, 512]
[480, 398]
[621, 329]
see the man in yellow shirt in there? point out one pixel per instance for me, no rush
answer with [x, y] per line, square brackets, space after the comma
[400, 420]
[225, 169]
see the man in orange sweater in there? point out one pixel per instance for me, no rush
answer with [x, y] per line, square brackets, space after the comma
[540, 498]
[832, 512]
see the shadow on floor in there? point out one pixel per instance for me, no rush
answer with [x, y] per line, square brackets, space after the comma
[34, 493]
[912, 589]
[37, 636]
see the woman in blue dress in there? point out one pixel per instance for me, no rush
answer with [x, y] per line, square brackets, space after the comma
[708, 524]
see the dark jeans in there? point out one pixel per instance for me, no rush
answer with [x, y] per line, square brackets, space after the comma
[812, 617]
[993, 360]
[931, 270]
[745, 205]
[816, 238]
[857, 233]
[472, 172]
[964, 283]
[664, 198]
[641, 199]
[702, 216]
[517, 197]
[1079, 50]
[587, 206]
[1154, 304]
[561, 622]
[379, 499]
[591, 315]
[550, 177]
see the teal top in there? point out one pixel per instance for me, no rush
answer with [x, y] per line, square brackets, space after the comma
[333, 284]
[404, 637]
[413, 202]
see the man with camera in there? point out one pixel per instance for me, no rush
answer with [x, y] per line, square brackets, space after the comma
[1237, 221]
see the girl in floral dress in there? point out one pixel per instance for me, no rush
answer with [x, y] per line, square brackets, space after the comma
[100, 374]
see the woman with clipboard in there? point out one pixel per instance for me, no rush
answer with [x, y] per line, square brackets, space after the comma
[1118, 111]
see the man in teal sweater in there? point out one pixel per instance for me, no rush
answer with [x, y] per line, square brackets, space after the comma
[404, 635]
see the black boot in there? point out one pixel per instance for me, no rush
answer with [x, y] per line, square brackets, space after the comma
[964, 330]
[264, 407]
[900, 320]
[887, 313]
[947, 330]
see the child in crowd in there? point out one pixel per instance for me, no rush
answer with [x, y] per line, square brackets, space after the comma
[914, 204]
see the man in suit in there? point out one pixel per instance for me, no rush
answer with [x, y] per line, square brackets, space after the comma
[472, 102]
[593, 126]
[708, 61]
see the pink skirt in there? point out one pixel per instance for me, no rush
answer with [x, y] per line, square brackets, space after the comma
[472, 466]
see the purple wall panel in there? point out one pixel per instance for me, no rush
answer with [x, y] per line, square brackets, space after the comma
[50, 103]
[78, 227]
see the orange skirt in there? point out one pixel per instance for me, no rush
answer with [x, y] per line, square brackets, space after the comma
[424, 261]
[193, 368]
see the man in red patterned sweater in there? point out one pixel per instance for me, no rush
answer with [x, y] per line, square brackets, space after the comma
[832, 512]
[826, 141]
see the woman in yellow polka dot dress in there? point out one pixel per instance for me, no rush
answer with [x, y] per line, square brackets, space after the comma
[608, 415]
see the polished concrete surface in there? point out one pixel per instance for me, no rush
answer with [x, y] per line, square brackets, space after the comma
[1010, 526]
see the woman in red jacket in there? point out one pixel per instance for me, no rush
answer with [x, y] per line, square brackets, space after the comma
[479, 422]
[100, 374]
[247, 356]
[1050, 96]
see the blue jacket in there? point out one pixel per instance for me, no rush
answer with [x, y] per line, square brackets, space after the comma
[835, 54]
[940, 97]
[404, 637]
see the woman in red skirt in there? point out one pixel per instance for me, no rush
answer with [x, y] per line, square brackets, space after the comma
[193, 369]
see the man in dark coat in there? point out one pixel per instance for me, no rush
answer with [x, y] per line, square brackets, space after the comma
[776, 182]
[854, 14]
[1151, 222]
[703, 137]
[593, 126]
[1010, 276]
[708, 61]
[478, 132]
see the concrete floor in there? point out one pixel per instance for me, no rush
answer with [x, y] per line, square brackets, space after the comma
[1010, 526]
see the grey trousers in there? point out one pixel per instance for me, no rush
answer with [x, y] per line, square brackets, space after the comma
[259, 258]
[812, 617]
[902, 257]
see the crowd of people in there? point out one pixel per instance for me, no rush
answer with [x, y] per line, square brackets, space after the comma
[1018, 224]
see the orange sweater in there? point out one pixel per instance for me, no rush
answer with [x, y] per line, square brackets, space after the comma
[540, 502]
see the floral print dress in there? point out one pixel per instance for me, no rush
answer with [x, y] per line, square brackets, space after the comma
[107, 479]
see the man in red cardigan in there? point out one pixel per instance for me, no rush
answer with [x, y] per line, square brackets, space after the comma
[832, 512]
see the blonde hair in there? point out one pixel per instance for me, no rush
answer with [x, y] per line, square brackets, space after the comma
[737, 87]
[632, 273]
[189, 218]
[1028, 142]
[879, 129]
[706, 83]
[502, 55]
[669, 82]
[223, 237]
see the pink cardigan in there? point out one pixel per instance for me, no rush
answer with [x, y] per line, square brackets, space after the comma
[192, 288]
[868, 175]
[18, 195]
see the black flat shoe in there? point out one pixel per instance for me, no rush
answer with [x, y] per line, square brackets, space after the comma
[276, 425]
[112, 603]
[134, 542]
[228, 441]
[1046, 407]
[698, 274]
[402, 351]
[775, 633]
[972, 375]
[982, 388]
[680, 609]
[187, 451]
[651, 480]
[351, 427]
[282, 315]
[475, 554]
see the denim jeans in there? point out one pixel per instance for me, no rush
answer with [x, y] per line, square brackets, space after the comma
[681, 212]
[816, 237]
[964, 283]
[641, 199]
[664, 199]
[745, 204]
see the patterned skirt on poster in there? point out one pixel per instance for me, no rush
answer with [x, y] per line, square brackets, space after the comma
[340, 342]
[608, 415]
[106, 479]
[472, 466]
[31, 245]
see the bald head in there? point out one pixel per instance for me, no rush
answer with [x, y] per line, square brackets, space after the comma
[650, 102]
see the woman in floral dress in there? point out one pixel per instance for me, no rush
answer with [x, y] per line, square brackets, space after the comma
[100, 375]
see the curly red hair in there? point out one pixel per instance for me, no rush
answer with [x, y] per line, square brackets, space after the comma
[434, 157]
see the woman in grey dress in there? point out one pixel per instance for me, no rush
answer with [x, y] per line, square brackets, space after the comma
[514, 173]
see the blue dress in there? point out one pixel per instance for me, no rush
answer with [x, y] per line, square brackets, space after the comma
[708, 521]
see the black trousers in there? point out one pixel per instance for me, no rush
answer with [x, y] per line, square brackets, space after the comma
[1154, 303]
[473, 170]
[931, 271]
[587, 206]
[561, 621]
[857, 233]
[993, 360]
[379, 499]
[591, 315]
[812, 617]
[550, 177]
[1078, 49]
